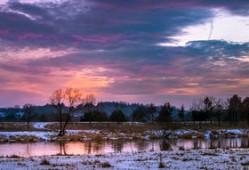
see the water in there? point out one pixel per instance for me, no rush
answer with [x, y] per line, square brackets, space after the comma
[90, 147]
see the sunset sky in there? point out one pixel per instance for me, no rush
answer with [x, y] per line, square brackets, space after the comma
[124, 50]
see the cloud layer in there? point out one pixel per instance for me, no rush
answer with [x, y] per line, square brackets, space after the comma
[112, 49]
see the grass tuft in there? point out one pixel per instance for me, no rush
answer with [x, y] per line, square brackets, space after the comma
[106, 165]
[45, 162]
[14, 156]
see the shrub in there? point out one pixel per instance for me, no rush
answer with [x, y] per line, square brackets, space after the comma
[161, 165]
[106, 165]
[45, 162]
[14, 156]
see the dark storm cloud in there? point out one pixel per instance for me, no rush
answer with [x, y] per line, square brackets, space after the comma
[41, 25]
[103, 24]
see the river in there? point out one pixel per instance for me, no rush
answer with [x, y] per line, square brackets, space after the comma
[115, 146]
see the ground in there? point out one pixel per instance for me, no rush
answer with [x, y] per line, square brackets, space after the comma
[191, 159]
[180, 159]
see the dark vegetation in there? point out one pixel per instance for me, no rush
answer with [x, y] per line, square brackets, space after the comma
[69, 105]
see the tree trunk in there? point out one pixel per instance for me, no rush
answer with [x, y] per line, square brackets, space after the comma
[28, 125]
[62, 131]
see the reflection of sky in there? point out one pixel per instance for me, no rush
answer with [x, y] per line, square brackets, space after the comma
[87, 147]
[134, 51]
[214, 143]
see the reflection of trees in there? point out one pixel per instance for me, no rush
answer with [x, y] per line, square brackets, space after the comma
[88, 147]
[234, 143]
[118, 145]
[165, 145]
[63, 148]
[28, 149]
[141, 145]
[98, 146]
[94, 147]
[197, 144]
[152, 145]
[244, 142]
[215, 143]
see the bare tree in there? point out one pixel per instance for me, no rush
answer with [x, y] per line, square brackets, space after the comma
[57, 101]
[66, 101]
[208, 107]
[89, 101]
[88, 104]
[29, 113]
[219, 110]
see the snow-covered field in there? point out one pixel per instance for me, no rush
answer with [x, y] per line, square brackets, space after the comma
[191, 159]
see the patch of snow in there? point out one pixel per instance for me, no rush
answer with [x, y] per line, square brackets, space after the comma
[84, 131]
[234, 131]
[207, 134]
[159, 132]
[41, 125]
[41, 135]
[146, 137]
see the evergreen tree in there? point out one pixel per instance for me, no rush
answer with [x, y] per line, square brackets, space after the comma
[181, 114]
[234, 108]
[117, 116]
[165, 113]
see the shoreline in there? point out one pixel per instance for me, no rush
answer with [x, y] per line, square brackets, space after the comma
[98, 135]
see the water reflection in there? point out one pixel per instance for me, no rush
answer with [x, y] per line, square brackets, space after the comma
[224, 143]
[117, 146]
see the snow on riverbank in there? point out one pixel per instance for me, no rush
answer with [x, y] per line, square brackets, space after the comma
[192, 159]
[37, 134]
[41, 125]
[33, 136]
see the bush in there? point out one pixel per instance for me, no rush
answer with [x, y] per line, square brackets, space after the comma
[14, 156]
[106, 165]
[45, 162]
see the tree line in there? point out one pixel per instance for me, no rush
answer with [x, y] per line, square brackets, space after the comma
[66, 103]
[232, 110]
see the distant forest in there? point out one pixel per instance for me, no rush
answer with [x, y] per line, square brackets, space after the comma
[206, 109]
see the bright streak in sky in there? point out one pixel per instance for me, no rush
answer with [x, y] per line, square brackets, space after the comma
[31, 1]
[224, 26]
[29, 53]
[242, 58]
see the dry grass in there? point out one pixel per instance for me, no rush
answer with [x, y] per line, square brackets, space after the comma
[125, 127]
[106, 165]
[14, 156]
[209, 154]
